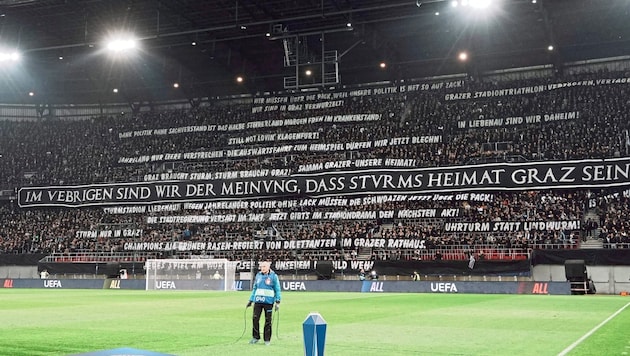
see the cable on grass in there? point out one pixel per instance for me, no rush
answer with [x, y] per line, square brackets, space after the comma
[244, 327]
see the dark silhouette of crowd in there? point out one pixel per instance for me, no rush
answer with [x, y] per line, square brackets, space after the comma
[55, 151]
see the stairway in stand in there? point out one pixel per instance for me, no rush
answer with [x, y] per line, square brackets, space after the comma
[593, 241]
[365, 253]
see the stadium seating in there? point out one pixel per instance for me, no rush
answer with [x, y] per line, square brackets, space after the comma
[586, 122]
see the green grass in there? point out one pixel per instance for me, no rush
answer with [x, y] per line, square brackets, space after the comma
[62, 322]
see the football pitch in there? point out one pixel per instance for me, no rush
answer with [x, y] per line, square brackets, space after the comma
[65, 322]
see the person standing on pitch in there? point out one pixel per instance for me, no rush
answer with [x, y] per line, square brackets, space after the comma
[265, 293]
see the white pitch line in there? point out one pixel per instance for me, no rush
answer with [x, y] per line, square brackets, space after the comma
[579, 341]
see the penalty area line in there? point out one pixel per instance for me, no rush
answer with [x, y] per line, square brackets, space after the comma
[579, 341]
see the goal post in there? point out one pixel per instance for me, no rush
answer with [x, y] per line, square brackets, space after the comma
[190, 274]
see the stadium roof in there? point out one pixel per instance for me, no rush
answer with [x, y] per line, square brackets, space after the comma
[204, 45]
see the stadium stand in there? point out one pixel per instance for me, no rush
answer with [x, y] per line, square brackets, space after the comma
[562, 118]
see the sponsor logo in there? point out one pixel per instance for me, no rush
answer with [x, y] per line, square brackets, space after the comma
[115, 284]
[293, 286]
[165, 285]
[237, 285]
[52, 283]
[8, 283]
[376, 287]
[443, 287]
[540, 288]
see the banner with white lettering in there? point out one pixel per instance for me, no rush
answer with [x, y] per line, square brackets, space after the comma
[486, 177]
[304, 215]
[252, 125]
[495, 226]
[532, 89]
[303, 168]
[314, 202]
[312, 244]
[286, 149]
[92, 234]
[517, 120]
[301, 101]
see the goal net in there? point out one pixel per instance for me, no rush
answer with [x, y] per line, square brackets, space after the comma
[190, 274]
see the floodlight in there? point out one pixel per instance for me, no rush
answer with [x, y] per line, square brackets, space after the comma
[477, 4]
[550, 48]
[463, 56]
[175, 85]
[308, 72]
[239, 79]
[6, 56]
[382, 64]
[30, 93]
[115, 90]
[480, 4]
[119, 45]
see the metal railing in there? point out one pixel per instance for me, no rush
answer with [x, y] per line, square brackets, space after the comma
[491, 252]
[98, 257]
[616, 245]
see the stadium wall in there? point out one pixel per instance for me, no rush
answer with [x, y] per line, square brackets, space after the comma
[390, 268]
[607, 279]
[609, 269]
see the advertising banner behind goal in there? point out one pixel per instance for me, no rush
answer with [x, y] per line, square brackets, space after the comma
[190, 274]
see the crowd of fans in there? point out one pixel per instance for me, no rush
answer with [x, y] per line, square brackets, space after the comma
[63, 152]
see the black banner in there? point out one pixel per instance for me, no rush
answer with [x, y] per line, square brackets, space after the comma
[509, 268]
[391, 268]
[592, 257]
[22, 259]
[487, 177]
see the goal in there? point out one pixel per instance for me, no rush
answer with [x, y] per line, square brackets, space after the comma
[190, 274]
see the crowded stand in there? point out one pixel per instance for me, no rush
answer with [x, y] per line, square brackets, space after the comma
[435, 128]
